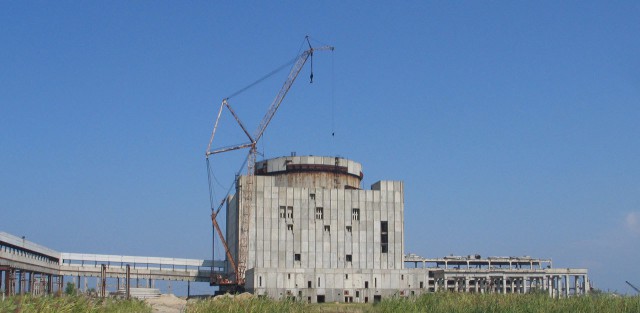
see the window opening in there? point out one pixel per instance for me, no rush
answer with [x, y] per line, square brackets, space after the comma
[355, 214]
[282, 214]
[319, 213]
[384, 236]
[289, 212]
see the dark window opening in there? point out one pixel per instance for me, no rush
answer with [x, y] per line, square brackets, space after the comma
[289, 226]
[357, 293]
[377, 298]
[320, 298]
[348, 229]
[421, 285]
[327, 228]
[296, 257]
[312, 196]
[384, 236]
[282, 212]
[366, 284]
[355, 214]
[348, 258]
[308, 284]
[319, 213]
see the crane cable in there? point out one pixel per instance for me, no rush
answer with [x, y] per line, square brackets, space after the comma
[261, 79]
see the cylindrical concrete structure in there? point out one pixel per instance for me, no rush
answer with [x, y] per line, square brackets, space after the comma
[312, 172]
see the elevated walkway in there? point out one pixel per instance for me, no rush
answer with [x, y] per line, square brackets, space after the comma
[28, 267]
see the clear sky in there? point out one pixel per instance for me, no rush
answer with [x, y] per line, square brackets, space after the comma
[513, 124]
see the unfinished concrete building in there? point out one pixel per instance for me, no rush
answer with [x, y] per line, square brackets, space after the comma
[317, 236]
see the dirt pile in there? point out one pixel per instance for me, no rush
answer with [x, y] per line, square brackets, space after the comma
[167, 303]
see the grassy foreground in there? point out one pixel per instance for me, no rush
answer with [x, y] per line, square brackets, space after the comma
[436, 303]
[70, 304]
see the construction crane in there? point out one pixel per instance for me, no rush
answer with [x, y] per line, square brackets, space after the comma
[239, 266]
[632, 286]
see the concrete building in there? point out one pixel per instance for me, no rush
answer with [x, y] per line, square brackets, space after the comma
[316, 235]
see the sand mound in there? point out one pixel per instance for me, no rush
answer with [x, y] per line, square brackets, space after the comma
[167, 303]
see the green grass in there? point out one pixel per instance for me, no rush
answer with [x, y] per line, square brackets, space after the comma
[436, 303]
[70, 304]
[512, 303]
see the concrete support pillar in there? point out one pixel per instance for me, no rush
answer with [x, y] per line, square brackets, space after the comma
[566, 286]
[446, 284]
[587, 284]
[32, 283]
[504, 284]
[49, 284]
[513, 284]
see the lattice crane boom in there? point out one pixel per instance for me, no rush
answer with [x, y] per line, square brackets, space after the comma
[248, 189]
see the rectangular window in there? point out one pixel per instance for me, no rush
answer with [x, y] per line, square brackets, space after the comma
[348, 229]
[290, 227]
[355, 214]
[312, 196]
[289, 212]
[296, 257]
[384, 236]
[282, 214]
[348, 258]
[327, 228]
[319, 213]
[346, 276]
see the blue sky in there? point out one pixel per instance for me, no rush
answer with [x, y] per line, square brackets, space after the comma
[514, 125]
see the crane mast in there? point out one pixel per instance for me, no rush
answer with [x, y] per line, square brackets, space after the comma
[248, 186]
